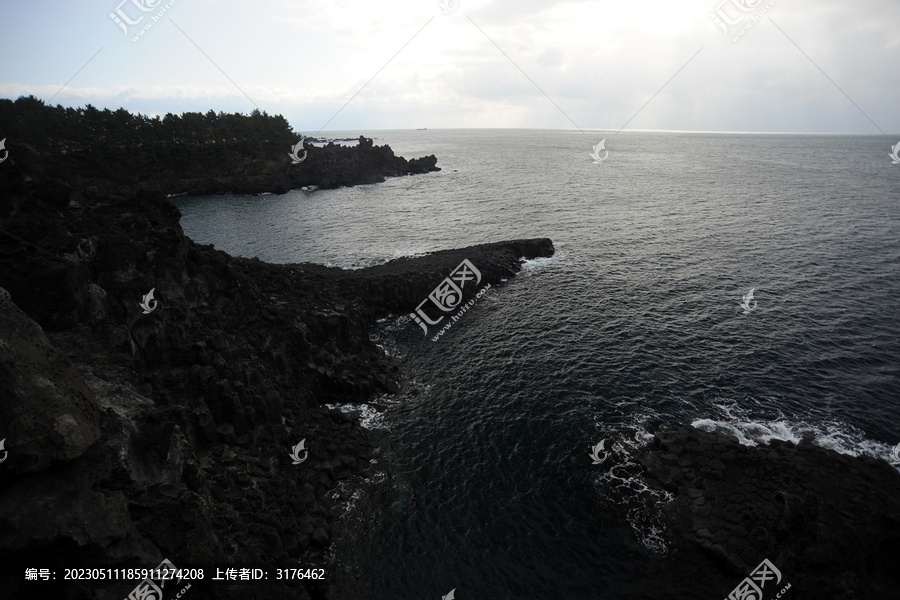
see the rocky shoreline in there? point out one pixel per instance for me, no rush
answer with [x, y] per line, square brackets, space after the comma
[324, 166]
[134, 437]
[828, 522]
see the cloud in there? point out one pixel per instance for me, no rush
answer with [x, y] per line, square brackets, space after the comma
[492, 64]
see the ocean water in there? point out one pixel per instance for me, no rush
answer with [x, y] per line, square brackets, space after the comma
[635, 323]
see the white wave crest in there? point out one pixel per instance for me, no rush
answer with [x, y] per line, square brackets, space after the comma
[622, 481]
[531, 266]
[831, 434]
[369, 416]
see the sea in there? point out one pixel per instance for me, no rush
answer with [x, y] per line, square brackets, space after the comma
[483, 485]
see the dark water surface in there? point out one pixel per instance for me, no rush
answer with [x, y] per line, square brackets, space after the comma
[635, 323]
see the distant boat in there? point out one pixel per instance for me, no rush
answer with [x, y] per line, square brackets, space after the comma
[422, 129]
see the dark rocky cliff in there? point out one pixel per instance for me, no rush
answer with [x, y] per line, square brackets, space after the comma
[329, 166]
[830, 523]
[133, 437]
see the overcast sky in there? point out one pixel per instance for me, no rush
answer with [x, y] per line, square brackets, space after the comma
[804, 65]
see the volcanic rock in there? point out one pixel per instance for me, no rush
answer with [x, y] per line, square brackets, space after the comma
[135, 436]
[829, 522]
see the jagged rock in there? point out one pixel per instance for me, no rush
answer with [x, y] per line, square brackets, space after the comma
[236, 362]
[48, 413]
[325, 167]
[828, 521]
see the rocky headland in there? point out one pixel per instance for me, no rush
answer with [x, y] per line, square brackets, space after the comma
[112, 155]
[325, 167]
[828, 522]
[134, 437]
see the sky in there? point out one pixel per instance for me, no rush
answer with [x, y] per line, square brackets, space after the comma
[339, 65]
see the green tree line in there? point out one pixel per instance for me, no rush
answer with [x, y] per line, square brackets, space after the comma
[83, 144]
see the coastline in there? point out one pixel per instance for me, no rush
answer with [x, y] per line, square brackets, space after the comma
[827, 521]
[326, 166]
[168, 434]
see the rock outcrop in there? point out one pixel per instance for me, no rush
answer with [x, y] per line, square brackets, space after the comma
[134, 437]
[47, 407]
[829, 522]
[326, 167]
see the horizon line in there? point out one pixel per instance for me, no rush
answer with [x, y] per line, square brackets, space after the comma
[613, 131]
